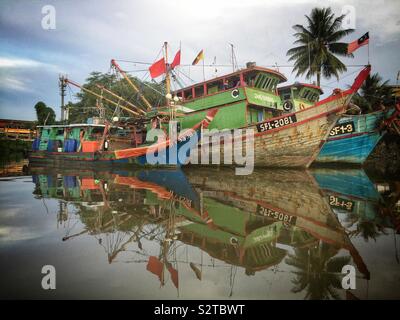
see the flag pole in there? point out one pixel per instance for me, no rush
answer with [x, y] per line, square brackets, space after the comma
[204, 76]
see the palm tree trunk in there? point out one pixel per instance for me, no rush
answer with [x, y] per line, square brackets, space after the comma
[318, 78]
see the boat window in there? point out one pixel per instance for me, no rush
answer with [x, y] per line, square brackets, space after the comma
[179, 94]
[316, 97]
[255, 114]
[273, 84]
[266, 84]
[304, 94]
[258, 80]
[96, 133]
[199, 91]
[214, 87]
[249, 78]
[234, 81]
[188, 94]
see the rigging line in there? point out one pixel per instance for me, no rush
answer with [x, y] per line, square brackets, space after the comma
[238, 65]
[176, 79]
[160, 93]
[140, 70]
[347, 75]
[181, 71]
[137, 62]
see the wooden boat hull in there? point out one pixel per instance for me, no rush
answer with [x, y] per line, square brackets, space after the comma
[353, 147]
[294, 145]
[292, 140]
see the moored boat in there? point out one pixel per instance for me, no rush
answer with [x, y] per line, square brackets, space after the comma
[100, 144]
[353, 137]
[294, 139]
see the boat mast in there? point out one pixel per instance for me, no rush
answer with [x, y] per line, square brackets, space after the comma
[168, 95]
[146, 102]
[167, 78]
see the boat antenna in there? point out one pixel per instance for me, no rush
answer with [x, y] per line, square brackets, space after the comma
[233, 58]
[62, 84]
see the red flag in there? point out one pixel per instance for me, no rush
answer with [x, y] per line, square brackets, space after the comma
[157, 68]
[155, 266]
[177, 60]
[353, 46]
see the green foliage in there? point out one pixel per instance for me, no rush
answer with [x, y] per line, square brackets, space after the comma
[318, 45]
[14, 149]
[374, 94]
[44, 114]
[86, 106]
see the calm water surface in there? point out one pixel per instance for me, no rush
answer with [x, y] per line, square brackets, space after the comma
[199, 233]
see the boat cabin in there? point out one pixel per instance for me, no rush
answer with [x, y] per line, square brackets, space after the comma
[244, 97]
[299, 96]
[85, 137]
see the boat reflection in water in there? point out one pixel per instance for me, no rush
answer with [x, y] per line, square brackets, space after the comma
[287, 221]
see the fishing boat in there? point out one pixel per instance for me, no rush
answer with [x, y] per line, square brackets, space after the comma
[101, 144]
[353, 137]
[291, 139]
[247, 99]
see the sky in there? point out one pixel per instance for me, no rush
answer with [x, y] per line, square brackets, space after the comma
[88, 34]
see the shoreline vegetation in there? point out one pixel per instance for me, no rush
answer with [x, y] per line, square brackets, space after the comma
[14, 150]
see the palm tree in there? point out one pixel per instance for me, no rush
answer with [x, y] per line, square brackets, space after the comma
[364, 227]
[318, 45]
[374, 93]
[318, 271]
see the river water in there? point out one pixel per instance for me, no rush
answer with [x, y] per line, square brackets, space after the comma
[199, 233]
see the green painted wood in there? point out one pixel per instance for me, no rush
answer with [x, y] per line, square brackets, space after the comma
[218, 99]
[264, 99]
[228, 117]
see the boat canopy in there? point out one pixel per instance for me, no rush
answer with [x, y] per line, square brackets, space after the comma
[254, 76]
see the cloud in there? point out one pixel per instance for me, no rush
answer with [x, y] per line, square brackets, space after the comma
[25, 63]
[88, 35]
[14, 84]
[18, 63]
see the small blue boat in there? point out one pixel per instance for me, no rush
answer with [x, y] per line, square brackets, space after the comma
[353, 138]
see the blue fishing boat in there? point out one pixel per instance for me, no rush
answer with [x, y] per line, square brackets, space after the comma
[354, 137]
